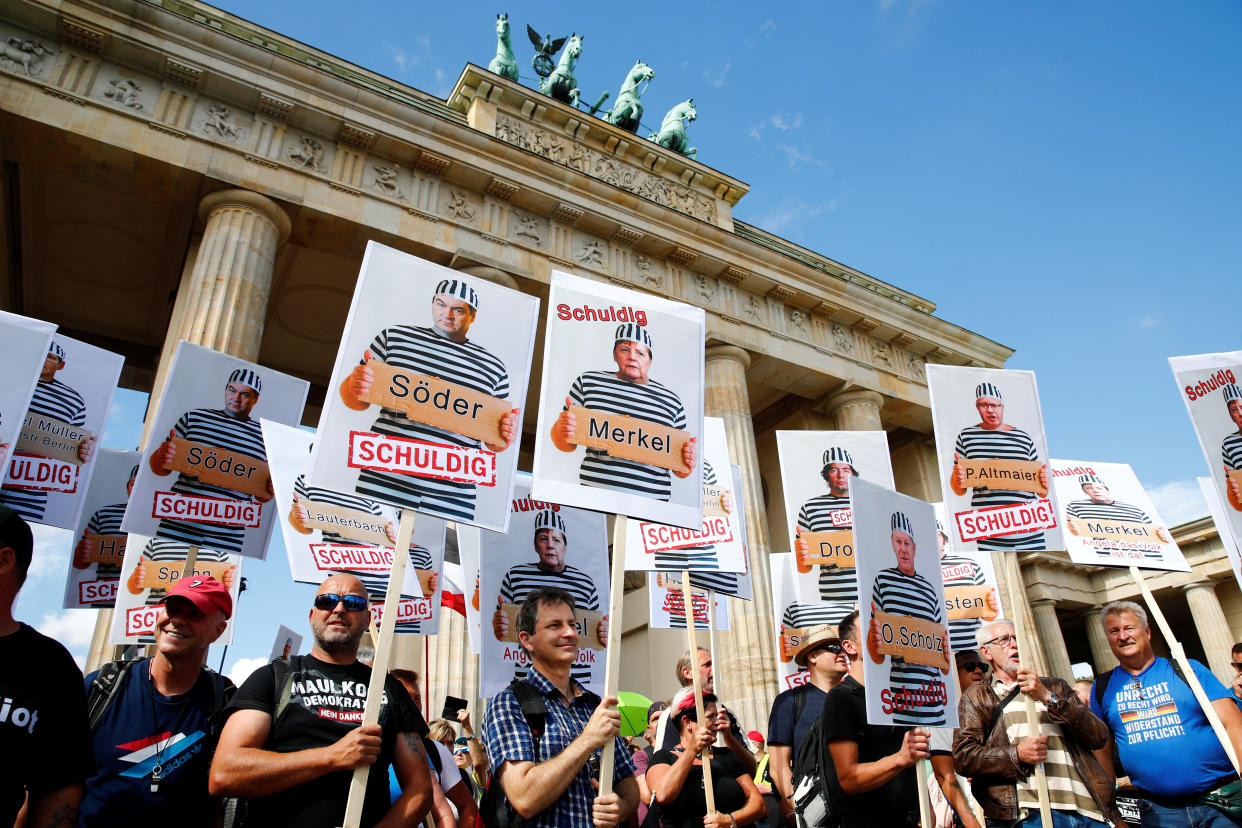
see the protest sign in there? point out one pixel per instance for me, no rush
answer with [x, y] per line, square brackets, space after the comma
[207, 429]
[286, 645]
[1211, 387]
[27, 355]
[327, 532]
[718, 546]
[151, 567]
[55, 453]
[1109, 520]
[1227, 539]
[971, 591]
[547, 545]
[423, 408]
[793, 619]
[993, 459]
[99, 541]
[907, 660]
[468, 553]
[668, 610]
[635, 363]
[817, 470]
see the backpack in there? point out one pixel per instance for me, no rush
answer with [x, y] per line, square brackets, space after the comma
[107, 686]
[494, 808]
[1099, 688]
[817, 805]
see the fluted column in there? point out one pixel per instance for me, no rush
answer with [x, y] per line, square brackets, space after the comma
[222, 298]
[1045, 612]
[1212, 627]
[1102, 657]
[856, 410]
[489, 274]
[747, 660]
[451, 668]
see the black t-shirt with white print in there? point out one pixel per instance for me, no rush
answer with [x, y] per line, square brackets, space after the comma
[325, 702]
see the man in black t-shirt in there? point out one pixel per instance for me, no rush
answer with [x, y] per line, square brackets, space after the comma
[874, 781]
[292, 753]
[45, 747]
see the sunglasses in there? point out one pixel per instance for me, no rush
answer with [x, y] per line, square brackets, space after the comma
[327, 602]
[971, 666]
[1237, 665]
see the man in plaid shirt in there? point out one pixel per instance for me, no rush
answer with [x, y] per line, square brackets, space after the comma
[552, 787]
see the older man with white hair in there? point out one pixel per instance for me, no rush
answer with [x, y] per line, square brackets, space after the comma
[996, 750]
[1160, 732]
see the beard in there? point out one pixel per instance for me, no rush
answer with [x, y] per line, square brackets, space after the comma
[336, 640]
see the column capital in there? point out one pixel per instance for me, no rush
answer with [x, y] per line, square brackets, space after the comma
[857, 409]
[489, 274]
[1199, 583]
[731, 352]
[855, 396]
[1044, 602]
[249, 200]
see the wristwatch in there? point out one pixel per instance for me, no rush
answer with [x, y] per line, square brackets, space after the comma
[1053, 701]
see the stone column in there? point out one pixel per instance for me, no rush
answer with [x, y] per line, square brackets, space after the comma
[451, 668]
[856, 410]
[1211, 626]
[748, 648]
[222, 299]
[1102, 656]
[489, 274]
[1049, 629]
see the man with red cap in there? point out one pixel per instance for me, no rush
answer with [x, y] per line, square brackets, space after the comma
[155, 721]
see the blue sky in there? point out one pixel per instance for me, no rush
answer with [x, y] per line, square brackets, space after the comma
[1062, 178]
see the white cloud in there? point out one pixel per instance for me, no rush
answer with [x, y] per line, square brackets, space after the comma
[1179, 501]
[783, 125]
[1151, 320]
[51, 556]
[755, 133]
[72, 628]
[788, 215]
[795, 157]
[409, 58]
[243, 667]
[765, 31]
[718, 80]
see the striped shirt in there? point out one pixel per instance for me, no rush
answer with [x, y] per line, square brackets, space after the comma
[804, 616]
[978, 443]
[961, 571]
[107, 521]
[1066, 790]
[51, 399]
[162, 549]
[914, 597]
[215, 428]
[605, 391]
[377, 588]
[1231, 451]
[463, 363]
[1116, 510]
[524, 579]
[835, 583]
[316, 494]
[692, 557]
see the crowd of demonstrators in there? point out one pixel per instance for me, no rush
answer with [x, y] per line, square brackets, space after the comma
[44, 737]
[676, 775]
[996, 750]
[729, 733]
[550, 779]
[795, 710]
[642, 758]
[453, 799]
[1177, 763]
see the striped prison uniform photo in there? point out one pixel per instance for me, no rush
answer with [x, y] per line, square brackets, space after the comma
[524, 579]
[161, 549]
[693, 557]
[107, 521]
[604, 391]
[976, 443]
[217, 429]
[1090, 510]
[913, 596]
[960, 571]
[51, 399]
[835, 583]
[1231, 451]
[804, 616]
[472, 366]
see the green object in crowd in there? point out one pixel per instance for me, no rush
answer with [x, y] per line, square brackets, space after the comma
[633, 709]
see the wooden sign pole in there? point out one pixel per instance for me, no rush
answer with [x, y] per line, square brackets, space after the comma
[1179, 655]
[1032, 716]
[920, 770]
[711, 640]
[708, 788]
[191, 560]
[379, 668]
[612, 653]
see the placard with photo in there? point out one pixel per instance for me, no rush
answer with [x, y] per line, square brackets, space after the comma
[27, 348]
[668, 605]
[287, 644]
[99, 542]
[971, 591]
[793, 620]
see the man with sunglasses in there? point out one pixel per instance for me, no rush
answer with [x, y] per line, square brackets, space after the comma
[970, 671]
[795, 710]
[994, 749]
[291, 744]
[1236, 661]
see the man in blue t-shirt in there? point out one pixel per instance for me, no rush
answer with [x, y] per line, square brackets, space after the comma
[154, 739]
[1160, 732]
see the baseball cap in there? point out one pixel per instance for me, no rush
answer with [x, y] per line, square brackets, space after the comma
[204, 592]
[754, 736]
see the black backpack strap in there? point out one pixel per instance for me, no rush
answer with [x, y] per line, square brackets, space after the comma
[534, 709]
[104, 689]
[800, 694]
[222, 690]
[282, 686]
[1000, 710]
[1100, 686]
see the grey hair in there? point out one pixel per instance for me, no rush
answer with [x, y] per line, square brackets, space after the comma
[1118, 607]
[982, 636]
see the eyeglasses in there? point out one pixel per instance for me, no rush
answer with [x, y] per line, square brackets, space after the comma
[830, 646]
[1237, 665]
[971, 666]
[1001, 640]
[327, 602]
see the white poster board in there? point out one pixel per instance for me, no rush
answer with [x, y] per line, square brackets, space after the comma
[1109, 520]
[423, 408]
[547, 545]
[26, 346]
[469, 555]
[623, 391]
[55, 453]
[668, 605]
[985, 441]
[98, 540]
[718, 546]
[327, 532]
[1211, 387]
[792, 619]
[817, 470]
[152, 566]
[203, 480]
[1211, 493]
[971, 591]
[287, 644]
[907, 659]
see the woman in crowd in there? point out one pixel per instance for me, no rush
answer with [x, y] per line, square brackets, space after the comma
[642, 758]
